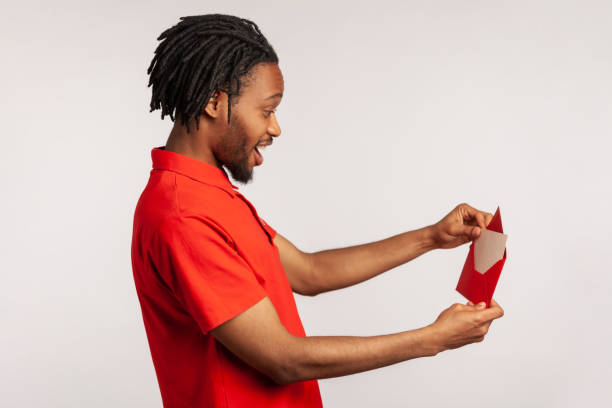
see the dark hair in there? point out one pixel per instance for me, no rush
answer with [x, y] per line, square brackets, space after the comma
[202, 54]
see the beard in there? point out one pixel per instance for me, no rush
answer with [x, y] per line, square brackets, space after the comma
[234, 154]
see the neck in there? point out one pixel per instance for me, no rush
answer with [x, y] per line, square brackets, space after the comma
[195, 144]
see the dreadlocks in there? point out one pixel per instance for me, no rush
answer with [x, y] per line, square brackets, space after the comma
[202, 54]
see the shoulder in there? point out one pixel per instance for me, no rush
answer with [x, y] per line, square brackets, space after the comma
[173, 206]
[194, 196]
[193, 228]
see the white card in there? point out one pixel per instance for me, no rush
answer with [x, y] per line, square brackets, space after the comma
[489, 248]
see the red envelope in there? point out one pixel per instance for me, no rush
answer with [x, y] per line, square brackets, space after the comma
[479, 287]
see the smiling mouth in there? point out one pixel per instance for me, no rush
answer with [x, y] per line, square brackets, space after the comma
[264, 144]
[258, 156]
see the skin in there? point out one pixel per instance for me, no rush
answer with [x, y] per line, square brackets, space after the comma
[253, 121]
[257, 335]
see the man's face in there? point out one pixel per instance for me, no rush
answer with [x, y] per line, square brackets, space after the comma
[253, 122]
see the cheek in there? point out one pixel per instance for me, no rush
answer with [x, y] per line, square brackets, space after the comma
[256, 129]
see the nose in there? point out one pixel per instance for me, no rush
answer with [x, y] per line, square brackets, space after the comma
[274, 129]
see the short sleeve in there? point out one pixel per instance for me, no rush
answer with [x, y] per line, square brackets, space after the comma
[207, 275]
[271, 231]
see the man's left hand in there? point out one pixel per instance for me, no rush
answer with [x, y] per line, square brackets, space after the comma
[461, 225]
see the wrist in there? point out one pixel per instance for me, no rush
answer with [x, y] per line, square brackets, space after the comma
[429, 238]
[432, 342]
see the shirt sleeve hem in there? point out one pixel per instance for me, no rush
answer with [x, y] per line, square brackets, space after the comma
[234, 310]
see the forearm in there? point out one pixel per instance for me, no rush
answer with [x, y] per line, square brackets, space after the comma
[334, 356]
[342, 267]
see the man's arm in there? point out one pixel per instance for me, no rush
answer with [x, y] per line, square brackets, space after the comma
[297, 265]
[341, 267]
[318, 272]
[258, 337]
[313, 273]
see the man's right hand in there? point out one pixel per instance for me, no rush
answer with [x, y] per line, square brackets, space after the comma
[464, 324]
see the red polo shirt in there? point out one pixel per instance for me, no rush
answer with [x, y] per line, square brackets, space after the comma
[200, 256]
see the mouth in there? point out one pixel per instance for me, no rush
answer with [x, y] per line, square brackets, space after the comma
[265, 143]
[258, 156]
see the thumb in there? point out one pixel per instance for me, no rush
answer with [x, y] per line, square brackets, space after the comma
[475, 232]
[467, 230]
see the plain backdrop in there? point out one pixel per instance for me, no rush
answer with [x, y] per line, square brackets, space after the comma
[394, 112]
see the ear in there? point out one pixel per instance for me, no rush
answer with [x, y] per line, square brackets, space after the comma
[217, 104]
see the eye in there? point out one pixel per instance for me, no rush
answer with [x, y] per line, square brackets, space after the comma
[268, 113]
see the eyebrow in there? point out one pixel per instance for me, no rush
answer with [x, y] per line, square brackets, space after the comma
[278, 95]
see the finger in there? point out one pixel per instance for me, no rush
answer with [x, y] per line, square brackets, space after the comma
[488, 218]
[469, 231]
[478, 215]
[469, 303]
[487, 324]
[495, 304]
[475, 232]
[459, 306]
[493, 312]
[480, 219]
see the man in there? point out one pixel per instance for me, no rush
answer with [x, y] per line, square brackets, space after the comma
[214, 280]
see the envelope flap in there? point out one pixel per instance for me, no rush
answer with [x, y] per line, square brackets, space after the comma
[496, 223]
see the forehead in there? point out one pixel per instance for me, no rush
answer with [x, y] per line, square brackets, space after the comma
[266, 81]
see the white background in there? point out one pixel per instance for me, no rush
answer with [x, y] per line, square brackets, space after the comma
[394, 112]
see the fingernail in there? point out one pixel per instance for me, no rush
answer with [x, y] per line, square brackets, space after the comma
[481, 305]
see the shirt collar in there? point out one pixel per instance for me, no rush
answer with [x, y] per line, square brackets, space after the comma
[193, 168]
